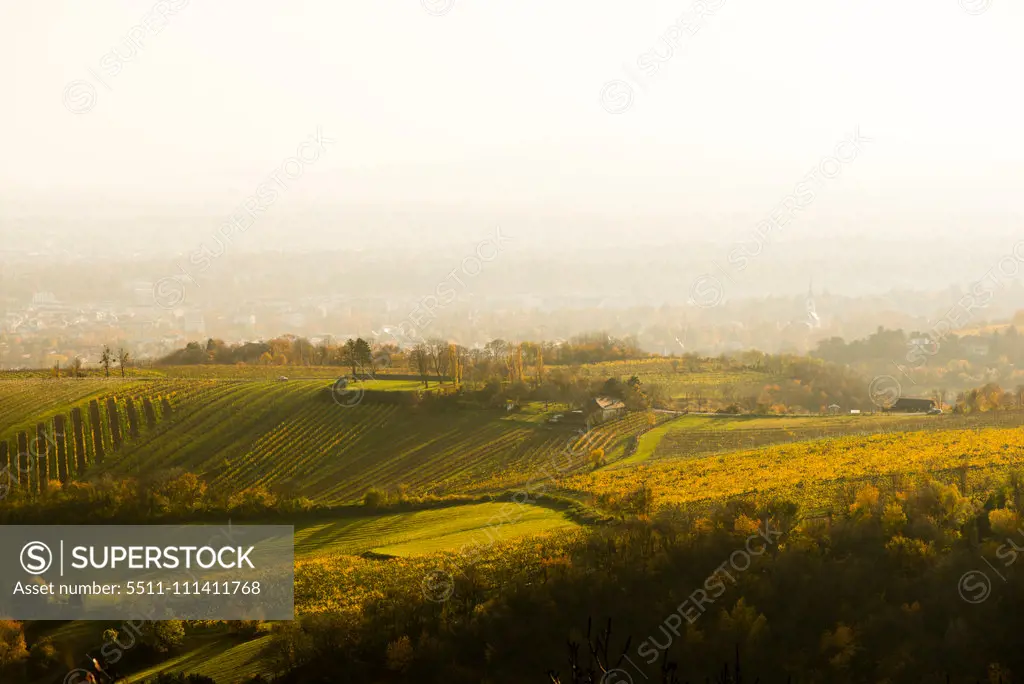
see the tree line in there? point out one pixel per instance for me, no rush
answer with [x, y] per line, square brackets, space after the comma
[876, 593]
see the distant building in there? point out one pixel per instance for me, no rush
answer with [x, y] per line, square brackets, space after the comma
[600, 409]
[911, 405]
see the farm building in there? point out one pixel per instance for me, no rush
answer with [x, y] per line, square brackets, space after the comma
[600, 409]
[912, 405]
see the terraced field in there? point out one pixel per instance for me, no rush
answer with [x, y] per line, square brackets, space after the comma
[239, 433]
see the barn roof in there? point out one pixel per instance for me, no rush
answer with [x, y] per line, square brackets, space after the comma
[608, 403]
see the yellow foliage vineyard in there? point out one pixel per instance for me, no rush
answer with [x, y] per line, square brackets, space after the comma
[349, 584]
[814, 473]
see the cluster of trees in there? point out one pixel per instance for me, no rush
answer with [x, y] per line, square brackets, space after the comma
[988, 397]
[786, 383]
[938, 345]
[108, 359]
[593, 348]
[175, 495]
[500, 369]
[288, 350]
[874, 594]
[933, 358]
[549, 371]
[164, 495]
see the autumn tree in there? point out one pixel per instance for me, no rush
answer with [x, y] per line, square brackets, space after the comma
[13, 650]
[163, 635]
[514, 363]
[455, 362]
[539, 366]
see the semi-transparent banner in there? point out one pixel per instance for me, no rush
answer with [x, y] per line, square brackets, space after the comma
[151, 572]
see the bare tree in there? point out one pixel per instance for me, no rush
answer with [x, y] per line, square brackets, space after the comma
[123, 359]
[439, 357]
[323, 352]
[419, 358]
[497, 350]
[106, 359]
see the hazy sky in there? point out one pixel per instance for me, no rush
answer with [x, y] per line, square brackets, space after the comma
[484, 102]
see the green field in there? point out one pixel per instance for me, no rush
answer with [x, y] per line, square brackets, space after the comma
[424, 532]
[217, 654]
[382, 384]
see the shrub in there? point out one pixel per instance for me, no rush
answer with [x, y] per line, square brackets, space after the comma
[42, 657]
[13, 651]
[374, 498]
[163, 635]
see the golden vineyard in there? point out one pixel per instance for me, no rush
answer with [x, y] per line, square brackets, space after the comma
[820, 473]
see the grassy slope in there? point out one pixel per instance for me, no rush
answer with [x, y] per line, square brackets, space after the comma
[678, 381]
[649, 441]
[423, 532]
[216, 654]
[382, 384]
